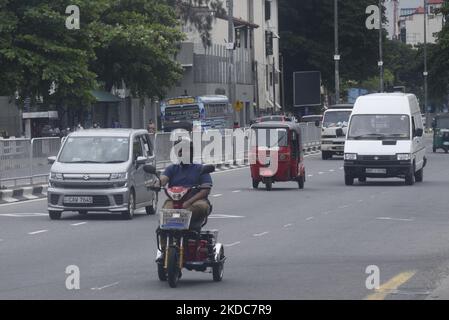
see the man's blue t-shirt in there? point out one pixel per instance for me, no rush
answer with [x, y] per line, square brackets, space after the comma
[187, 176]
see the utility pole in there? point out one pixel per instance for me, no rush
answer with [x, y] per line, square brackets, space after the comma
[274, 83]
[381, 62]
[337, 54]
[230, 48]
[425, 73]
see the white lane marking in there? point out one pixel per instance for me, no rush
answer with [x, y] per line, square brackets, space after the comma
[22, 202]
[106, 286]
[344, 206]
[310, 218]
[230, 170]
[327, 212]
[341, 168]
[232, 244]
[10, 200]
[288, 225]
[260, 234]
[236, 191]
[224, 216]
[37, 232]
[78, 224]
[310, 175]
[361, 200]
[18, 215]
[217, 195]
[320, 173]
[393, 219]
[331, 170]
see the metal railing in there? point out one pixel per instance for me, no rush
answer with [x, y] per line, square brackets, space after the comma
[25, 161]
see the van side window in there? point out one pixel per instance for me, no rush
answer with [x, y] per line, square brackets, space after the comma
[413, 126]
[147, 145]
[137, 148]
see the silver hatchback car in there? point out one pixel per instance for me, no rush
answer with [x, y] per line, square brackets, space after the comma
[102, 170]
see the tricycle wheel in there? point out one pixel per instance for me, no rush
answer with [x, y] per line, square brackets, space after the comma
[218, 269]
[269, 185]
[255, 184]
[161, 272]
[301, 181]
[434, 150]
[172, 267]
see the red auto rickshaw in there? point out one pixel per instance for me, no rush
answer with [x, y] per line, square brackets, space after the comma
[276, 154]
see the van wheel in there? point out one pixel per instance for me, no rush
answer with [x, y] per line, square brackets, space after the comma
[55, 215]
[150, 210]
[362, 179]
[410, 177]
[419, 175]
[83, 212]
[434, 149]
[129, 214]
[325, 155]
[349, 180]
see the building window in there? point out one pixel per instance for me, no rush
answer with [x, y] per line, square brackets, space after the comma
[267, 10]
[238, 37]
[269, 43]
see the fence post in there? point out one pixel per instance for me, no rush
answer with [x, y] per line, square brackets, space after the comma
[31, 160]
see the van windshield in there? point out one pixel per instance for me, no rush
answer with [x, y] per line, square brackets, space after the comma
[336, 119]
[379, 127]
[442, 123]
[95, 150]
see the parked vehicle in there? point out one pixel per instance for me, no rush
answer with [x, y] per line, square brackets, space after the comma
[278, 118]
[185, 246]
[334, 129]
[102, 170]
[385, 139]
[276, 154]
[441, 132]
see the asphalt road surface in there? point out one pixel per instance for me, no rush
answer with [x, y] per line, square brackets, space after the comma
[314, 243]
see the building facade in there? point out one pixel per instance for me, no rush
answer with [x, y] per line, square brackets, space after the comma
[254, 76]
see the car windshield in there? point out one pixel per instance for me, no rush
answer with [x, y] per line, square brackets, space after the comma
[379, 127]
[336, 119]
[443, 123]
[270, 138]
[95, 150]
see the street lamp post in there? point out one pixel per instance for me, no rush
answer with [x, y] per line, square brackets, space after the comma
[381, 62]
[337, 54]
[425, 73]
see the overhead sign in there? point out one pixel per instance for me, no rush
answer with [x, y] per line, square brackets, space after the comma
[307, 89]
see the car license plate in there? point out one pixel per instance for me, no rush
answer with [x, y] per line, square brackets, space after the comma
[80, 200]
[378, 171]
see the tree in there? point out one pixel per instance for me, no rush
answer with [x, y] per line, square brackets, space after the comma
[307, 40]
[200, 14]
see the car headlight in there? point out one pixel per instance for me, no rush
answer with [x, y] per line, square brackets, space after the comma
[350, 156]
[118, 176]
[56, 176]
[404, 156]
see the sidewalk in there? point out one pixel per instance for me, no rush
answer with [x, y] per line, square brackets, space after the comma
[441, 292]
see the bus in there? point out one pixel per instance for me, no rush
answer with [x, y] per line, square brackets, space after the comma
[207, 112]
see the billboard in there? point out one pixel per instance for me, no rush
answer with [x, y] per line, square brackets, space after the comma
[307, 88]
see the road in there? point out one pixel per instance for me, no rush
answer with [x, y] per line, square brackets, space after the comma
[314, 243]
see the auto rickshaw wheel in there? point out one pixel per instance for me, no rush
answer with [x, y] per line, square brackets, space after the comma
[419, 175]
[255, 184]
[349, 180]
[362, 179]
[301, 181]
[434, 149]
[269, 185]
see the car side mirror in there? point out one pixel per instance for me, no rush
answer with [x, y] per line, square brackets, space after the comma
[148, 168]
[208, 169]
[340, 133]
[419, 132]
[51, 159]
[141, 160]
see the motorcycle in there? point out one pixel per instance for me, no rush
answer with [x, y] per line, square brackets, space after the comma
[185, 247]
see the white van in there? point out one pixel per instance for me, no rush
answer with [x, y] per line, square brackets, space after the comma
[385, 139]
